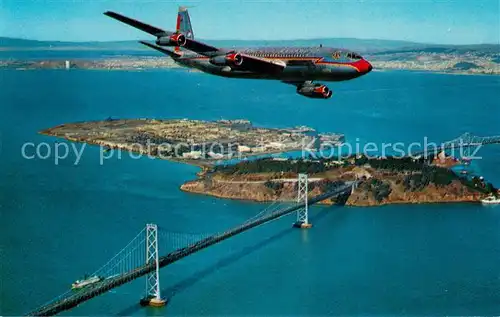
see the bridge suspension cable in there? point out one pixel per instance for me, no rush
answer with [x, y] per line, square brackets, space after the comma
[170, 240]
[130, 256]
[74, 299]
[464, 142]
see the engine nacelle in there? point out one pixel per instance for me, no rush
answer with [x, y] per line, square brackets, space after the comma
[231, 59]
[177, 39]
[319, 91]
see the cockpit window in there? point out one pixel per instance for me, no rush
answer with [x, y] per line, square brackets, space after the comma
[336, 55]
[353, 55]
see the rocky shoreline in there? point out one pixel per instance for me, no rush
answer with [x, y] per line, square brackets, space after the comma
[359, 198]
[367, 194]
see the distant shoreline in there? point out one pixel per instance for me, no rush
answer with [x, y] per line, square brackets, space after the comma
[70, 49]
[137, 58]
[107, 64]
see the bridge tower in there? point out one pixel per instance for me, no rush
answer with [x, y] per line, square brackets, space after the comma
[152, 297]
[302, 213]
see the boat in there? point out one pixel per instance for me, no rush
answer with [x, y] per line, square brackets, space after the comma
[466, 161]
[86, 282]
[491, 200]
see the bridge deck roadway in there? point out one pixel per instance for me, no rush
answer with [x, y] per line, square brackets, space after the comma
[91, 292]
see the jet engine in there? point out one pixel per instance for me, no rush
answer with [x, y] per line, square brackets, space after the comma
[319, 91]
[230, 59]
[177, 39]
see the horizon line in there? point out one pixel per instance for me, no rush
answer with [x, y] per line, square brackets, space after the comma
[261, 40]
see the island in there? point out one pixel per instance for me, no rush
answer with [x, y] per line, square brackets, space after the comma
[193, 141]
[389, 180]
[223, 149]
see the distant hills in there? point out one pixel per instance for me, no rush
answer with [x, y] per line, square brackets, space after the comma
[361, 45]
[23, 44]
[448, 49]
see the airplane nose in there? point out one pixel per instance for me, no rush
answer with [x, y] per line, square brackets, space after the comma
[370, 67]
[363, 66]
[366, 67]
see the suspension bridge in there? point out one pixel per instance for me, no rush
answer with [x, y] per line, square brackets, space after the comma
[466, 144]
[140, 257]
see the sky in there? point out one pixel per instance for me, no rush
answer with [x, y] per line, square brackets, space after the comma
[426, 21]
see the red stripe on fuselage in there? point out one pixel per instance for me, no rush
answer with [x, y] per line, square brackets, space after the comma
[313, 59]
[178, 25]
[177, 29]
[316, 60]
[338, 64]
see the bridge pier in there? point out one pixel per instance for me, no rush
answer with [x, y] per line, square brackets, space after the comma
[303, 213]
[153, 297]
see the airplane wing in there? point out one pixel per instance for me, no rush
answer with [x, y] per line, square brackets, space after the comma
[137, 24]
[261, 65]
[161, 49]
[191, 45]
[248, 62]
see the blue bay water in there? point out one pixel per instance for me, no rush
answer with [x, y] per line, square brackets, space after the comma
[61, 221]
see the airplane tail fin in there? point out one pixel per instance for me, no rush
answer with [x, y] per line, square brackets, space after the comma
[184, 25]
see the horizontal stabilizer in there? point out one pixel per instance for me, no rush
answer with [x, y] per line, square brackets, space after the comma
[172, 54]
[137, 24]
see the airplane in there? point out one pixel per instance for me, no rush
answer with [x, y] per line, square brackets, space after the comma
[299, 66]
